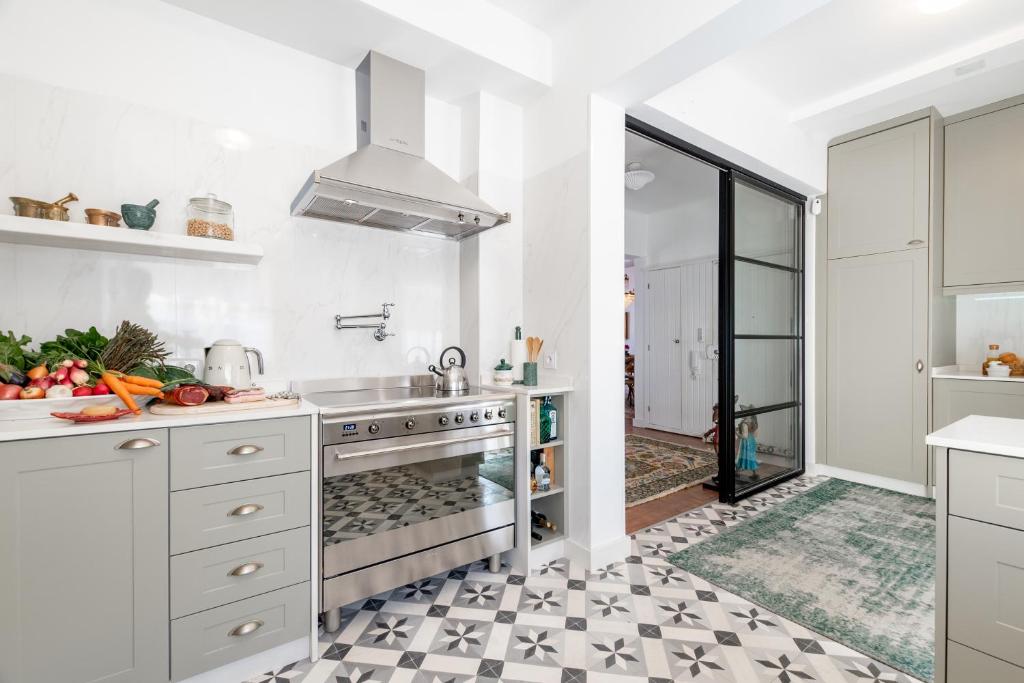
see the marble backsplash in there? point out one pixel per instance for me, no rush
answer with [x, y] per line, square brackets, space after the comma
[107, 151]
[983, 319]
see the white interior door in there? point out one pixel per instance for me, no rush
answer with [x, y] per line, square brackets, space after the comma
[664, 357]
[699, 317]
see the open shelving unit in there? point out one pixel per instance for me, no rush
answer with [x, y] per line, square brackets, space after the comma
[531, 554]
[42, 232]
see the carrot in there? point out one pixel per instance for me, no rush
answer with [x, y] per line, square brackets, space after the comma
[137, 390]
[142, 381]
[119, 390]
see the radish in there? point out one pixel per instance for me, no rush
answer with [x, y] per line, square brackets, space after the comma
[100, 389]
[68, 363]
[81, 391]
[78, 376]
[60, 375]
[43, 383]
[81, 363]
[58, 391]
[66, 382]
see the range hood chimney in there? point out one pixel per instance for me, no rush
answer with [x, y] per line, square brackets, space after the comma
[386, 183]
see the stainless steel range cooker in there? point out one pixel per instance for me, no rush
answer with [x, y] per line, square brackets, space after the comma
[413, 482]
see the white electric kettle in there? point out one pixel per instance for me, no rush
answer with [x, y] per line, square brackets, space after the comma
[227, 364]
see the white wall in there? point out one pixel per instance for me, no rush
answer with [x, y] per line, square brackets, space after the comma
[636, 233]
[146, 121]
[983, 319]
[685, 233]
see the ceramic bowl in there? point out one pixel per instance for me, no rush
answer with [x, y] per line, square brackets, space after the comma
[138, 216]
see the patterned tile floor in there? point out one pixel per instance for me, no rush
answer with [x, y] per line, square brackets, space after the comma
[640, 620]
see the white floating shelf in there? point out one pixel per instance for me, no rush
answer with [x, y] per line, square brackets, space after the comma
[41, 232]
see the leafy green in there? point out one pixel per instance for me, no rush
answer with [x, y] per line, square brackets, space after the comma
[11, 350]
[73, 344]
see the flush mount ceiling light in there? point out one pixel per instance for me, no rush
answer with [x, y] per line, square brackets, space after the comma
[637, 177]
[938, 6]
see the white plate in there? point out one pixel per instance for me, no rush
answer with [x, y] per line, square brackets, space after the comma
[35, 409]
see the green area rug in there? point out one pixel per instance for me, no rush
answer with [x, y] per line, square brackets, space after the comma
[851, 562]
[657, 468]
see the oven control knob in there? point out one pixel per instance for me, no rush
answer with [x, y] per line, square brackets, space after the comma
[443, 420]
[458, 418]
[488, 414]
[374, 428]
[474, 416]
[502, 413]
[410, 423]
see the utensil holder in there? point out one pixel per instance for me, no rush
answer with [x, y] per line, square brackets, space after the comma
[530, 374]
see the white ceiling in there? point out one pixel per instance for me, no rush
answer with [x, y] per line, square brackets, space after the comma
[541, 13]
[679, 179]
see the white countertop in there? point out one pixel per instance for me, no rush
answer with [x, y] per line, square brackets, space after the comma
[998, 435]
[960, 372]
[42, 428]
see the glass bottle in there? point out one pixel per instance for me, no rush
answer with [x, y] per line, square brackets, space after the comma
[990, 355]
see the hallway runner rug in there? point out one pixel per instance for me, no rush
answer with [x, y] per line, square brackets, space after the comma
[855, 563]
[657, 468]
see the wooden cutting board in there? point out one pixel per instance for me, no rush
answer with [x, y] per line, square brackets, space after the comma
[221, 407]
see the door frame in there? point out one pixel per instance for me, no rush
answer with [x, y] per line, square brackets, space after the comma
[726, 329]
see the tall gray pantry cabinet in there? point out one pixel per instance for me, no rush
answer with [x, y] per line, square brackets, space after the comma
[83, 559]
[887, 321]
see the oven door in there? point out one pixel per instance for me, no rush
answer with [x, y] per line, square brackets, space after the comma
[388, 498]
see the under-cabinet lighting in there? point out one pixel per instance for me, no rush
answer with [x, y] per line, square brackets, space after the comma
[999, 297]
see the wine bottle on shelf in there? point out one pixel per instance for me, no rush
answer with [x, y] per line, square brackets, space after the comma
[540, 520]
[535, 536]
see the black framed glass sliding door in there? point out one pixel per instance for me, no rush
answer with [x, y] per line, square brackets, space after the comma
[761, 279]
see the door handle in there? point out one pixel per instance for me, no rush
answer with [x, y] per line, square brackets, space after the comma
[914, 243]
[919, 366]
[246, 628]
[247, 509]
[135, 444]
[247, 449]
[245, 569]
[675, 341]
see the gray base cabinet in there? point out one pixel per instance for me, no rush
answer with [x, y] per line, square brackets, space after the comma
[955, 399]
[83, 559]
[979, 577]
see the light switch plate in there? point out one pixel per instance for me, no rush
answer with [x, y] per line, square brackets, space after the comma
[551, 360]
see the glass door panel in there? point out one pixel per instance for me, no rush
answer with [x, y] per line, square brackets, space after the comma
[762, 348]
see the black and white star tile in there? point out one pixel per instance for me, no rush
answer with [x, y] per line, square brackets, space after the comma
[637, 621]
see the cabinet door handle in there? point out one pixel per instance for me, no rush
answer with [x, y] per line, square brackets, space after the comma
[676, 341]
[246, 569]
[247, 449]
[247, 509]
[914, 243]
[919, 366]
[246, 628]
[135, 444]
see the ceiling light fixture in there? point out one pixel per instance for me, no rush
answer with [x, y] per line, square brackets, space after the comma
[636, 176]
[938, 6]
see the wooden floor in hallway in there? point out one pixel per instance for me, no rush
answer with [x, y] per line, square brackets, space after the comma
[672, 505]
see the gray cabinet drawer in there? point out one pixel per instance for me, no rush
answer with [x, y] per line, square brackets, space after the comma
[216, 576]
[210, 639]
[985, 588]
[233, 451]
[964, 665]
[989, 488]
[214, 515]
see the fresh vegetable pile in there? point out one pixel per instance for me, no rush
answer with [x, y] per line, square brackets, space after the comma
[129, 364]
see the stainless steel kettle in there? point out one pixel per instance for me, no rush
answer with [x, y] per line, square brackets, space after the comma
[453, 376]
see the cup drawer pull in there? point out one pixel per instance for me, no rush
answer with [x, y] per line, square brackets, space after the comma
[246, 628]
[247, 509]
[245, 449]
[135, 444]
[246, 569]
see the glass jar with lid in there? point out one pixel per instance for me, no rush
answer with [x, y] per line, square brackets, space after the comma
[210, 217]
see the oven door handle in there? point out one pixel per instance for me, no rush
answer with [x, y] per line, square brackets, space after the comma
[424, 444]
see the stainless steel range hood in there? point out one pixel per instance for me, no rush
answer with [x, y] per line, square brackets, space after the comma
[386, 182]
